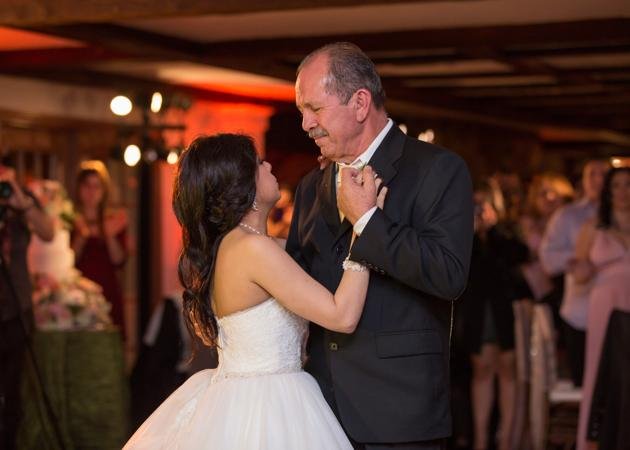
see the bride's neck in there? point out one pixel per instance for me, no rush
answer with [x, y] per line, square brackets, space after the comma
[257, 220]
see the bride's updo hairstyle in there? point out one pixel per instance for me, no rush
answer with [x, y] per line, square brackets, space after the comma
[214, 188]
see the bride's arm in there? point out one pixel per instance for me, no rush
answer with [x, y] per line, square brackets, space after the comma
[277, 273]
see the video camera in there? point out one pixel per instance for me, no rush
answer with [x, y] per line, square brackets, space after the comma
[6, 191]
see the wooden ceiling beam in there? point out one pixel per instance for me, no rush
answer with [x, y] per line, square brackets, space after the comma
[595, 31]
[46, 12]
[127, 40]
[57, 57]
[291, 50]
[140, 86]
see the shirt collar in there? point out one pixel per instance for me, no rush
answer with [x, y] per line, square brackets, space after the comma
[365, 157]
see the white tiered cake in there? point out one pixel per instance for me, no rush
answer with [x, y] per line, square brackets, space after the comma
[55, 258]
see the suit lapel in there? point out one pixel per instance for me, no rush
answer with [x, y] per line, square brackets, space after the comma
[327, 193]
[385, 159]
[327, 198]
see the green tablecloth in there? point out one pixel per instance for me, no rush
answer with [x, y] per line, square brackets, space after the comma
[83, 374]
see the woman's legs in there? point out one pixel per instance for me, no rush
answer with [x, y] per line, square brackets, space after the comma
[485, 365]
[507, 386]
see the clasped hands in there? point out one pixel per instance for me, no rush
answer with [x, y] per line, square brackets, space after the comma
[358, 192]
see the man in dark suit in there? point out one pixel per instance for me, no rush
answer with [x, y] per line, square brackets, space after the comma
[388, 381]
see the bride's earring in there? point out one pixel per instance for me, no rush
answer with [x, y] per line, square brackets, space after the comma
[254, 206]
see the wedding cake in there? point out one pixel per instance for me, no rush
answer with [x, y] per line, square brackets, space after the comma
[62, 298]
[55, 258]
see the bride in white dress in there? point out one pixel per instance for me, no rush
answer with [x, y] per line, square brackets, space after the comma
[244, 294]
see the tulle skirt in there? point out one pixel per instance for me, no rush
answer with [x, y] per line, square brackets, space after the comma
[285, 411]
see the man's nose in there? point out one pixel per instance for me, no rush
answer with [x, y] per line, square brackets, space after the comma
[308, 122]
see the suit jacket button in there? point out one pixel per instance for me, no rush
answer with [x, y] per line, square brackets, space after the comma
[333, 346]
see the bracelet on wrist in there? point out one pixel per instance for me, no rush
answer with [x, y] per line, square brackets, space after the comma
[352, 265]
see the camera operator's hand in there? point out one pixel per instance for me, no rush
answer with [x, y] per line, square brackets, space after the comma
[37, 220]
[18, 199]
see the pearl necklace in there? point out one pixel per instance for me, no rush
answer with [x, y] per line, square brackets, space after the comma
[250, 228]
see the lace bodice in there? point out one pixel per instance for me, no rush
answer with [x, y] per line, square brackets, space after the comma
[263, 339]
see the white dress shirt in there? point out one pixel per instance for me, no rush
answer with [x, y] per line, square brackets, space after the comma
[558, 248]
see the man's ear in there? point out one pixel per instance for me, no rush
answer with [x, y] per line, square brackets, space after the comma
[362, 103]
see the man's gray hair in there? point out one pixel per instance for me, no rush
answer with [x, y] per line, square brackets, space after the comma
[349, 69]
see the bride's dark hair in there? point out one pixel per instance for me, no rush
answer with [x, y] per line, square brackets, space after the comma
[214, 188]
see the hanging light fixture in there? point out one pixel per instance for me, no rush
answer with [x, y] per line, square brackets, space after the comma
[156, 102]
[132, 155]
[121, 105]
[172, 157]
[427, 135]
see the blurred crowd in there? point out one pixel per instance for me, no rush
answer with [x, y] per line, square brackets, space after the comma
[544, 242]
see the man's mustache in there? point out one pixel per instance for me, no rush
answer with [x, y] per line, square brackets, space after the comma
[317, 133]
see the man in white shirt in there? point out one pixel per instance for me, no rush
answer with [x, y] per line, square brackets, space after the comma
[388, 381]
[557, 252]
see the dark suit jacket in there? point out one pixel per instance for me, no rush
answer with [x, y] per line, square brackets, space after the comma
[388, 381]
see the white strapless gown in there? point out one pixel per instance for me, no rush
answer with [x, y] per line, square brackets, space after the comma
[258, 398]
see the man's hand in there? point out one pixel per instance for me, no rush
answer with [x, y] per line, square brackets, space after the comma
[18, 199]
[357, 192]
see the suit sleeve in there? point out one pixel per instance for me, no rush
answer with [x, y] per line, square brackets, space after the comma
[293, 246]
[433, 253]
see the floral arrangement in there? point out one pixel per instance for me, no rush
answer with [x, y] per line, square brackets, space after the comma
[74, 303]
[62, 298]
[55, 201]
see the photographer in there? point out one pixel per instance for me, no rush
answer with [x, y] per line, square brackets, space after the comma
[20, 214]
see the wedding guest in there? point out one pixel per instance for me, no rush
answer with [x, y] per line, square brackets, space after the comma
[547, 192]
[486, 310]
[603, 258]
[557, 251]
[20, 215]
[99, 237]
[280, 215]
